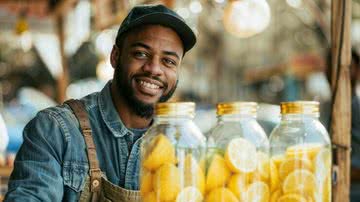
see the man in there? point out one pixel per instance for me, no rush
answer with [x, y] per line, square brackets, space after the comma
[63, 159]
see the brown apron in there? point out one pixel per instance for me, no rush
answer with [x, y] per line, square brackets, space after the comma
[97, 187]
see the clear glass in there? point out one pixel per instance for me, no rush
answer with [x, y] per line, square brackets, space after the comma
[300, 160]
[237, 160]
[173, 161]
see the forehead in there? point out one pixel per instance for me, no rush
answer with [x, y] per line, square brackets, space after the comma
[156, 34]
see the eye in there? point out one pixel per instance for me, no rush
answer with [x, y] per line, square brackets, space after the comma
[169, 61]
[140, 54]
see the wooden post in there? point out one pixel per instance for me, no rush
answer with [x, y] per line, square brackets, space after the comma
[63, 79]
[169, 3]
[340, 86]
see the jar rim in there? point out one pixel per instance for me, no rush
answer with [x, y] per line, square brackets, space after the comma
[175, 109]
[238, 107]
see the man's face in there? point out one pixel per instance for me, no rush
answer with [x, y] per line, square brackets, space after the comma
[147, 67]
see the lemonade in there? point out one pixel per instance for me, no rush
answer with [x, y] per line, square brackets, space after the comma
[300, 162]
[182, 180]
[238, 161]
[308, 175]
[172, 159]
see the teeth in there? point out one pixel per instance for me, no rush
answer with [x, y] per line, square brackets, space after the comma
[149, 85]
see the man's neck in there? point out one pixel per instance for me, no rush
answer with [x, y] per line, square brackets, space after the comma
[127, 116]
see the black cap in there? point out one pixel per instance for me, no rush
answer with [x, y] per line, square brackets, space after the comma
[161, 15]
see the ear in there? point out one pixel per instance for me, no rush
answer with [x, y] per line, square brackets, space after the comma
[114, 56]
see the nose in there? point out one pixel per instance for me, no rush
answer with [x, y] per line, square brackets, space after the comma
[153, 66]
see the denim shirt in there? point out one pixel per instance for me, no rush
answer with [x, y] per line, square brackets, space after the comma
[52, 164]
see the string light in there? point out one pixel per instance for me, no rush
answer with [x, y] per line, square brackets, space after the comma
[245, 18]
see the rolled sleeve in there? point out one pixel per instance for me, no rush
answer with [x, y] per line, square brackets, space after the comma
[37, 168]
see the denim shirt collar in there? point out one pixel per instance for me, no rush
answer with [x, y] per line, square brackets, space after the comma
[109, 113]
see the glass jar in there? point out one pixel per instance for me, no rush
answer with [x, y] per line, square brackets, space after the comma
[173, 156]
[300, 153]
[237, 156]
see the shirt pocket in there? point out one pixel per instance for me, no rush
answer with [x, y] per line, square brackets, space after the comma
[74, 174]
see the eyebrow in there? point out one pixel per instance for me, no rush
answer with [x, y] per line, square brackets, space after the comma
[140, 44]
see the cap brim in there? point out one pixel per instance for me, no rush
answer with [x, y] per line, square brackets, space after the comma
[181, 28]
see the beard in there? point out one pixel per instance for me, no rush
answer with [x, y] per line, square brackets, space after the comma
[124, 87]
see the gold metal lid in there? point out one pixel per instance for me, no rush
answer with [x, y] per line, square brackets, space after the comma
[224, 108]
[175, 109]
[300, 107]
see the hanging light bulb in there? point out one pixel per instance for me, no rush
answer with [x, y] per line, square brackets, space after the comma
[245, 18]
[22, 31]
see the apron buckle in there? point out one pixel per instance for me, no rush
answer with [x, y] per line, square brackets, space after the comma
[95, 177]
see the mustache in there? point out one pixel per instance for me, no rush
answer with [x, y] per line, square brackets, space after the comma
[149, 75]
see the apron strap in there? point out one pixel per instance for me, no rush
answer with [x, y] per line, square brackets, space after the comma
[81, 114]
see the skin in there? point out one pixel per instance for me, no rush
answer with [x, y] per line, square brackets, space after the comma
[150, 54]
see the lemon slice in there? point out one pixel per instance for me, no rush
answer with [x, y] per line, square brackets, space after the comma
[308, 150]
[275, 196]
[190, 194]
[291, 198]
[160, 151]
[150, 197]
[300, 181]
[263, 165]
[167, 182]
[221, 195]
[241, 156]
[237, 184]
[258, 192]
[274, 176]
[218, 173]
[193, 173]
[278, 160]
[291, 164]
[145, 182]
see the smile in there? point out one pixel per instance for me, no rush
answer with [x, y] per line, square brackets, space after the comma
[149, 85]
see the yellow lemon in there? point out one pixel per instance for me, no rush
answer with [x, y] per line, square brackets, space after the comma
[145, 182]
[275, 195]
[292, 198]
[238, 185]
[193, 174]
[167, 182]
[258, 192]
[308, 150]
[263, 165]
[218, 173]
[278, 160]
[190, 194]
[274, 176]
[221, 195]
[310, 199]
[300, 181]
[159, 152]
[150, 197]
[240, 155]
[326, 191]
[291, 164]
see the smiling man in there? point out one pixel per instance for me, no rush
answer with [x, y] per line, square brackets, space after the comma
[88, 149]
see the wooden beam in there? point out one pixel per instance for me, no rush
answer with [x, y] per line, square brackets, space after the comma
[63, 79]
[63, 7]
[169, 3]
[341, 107]
[104, 15]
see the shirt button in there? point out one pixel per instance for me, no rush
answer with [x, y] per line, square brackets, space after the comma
[95, 183]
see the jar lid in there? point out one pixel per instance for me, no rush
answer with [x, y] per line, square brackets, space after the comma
[300, 107]
[175, 109]
[224, 108]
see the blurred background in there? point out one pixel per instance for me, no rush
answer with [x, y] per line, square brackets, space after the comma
[265, 51]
